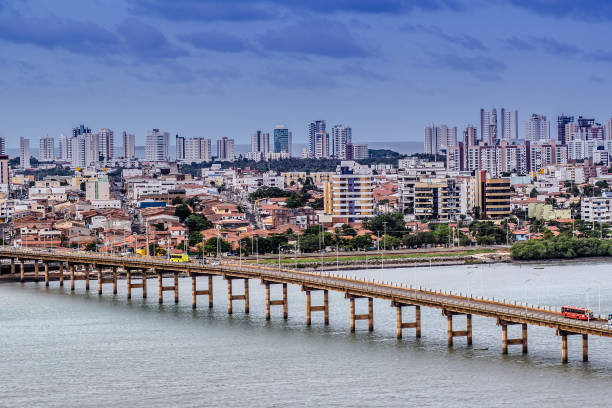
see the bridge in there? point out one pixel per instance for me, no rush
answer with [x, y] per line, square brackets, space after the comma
[137, 271]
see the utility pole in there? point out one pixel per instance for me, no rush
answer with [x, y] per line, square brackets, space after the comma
[382, 259]
[147, 235]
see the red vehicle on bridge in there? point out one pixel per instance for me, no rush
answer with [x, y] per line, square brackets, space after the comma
[576, 313]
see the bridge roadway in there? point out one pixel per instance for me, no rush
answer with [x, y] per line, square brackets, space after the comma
[400, 296]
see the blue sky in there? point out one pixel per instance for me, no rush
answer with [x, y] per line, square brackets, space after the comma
[213, 68]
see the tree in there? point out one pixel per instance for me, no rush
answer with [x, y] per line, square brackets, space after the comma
[91, 247]
[195, 237]
[348, 230]
[177, 200]
[361, 242]
[182, 211]
[389, 242]
[210, 246]
[534, 193]
[394, 224]
[197, 222]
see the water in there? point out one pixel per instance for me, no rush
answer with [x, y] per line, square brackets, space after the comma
[81, 349]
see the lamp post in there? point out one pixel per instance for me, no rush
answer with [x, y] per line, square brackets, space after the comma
[525, 283]
[279, 261]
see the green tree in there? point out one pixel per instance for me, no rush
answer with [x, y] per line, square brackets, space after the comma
[197, 222]
[534, 193]
[210, 246]
[394, 224]
[195, 237]
[91, 247]
[177, 201]
[182, 211]
[361, 242]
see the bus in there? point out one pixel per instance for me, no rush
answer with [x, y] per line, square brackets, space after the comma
[578, 313]
[179, 258]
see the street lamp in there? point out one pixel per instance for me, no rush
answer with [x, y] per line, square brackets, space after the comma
[525, 283]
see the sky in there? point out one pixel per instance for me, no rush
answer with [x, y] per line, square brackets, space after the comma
[213, 68]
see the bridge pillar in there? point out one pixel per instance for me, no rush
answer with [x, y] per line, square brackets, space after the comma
[61, 274]
[585, 347]
[12, 266]
[176, 287]
[115, 280]
[450, 333]
[309, 308]
[369, 316]
[128, 278]
[231, 297]
[71, 277]
[401, 325]
[161, 288]
[144, 283]
[36, 270]
[87, 277]
[195, 292]
[508, 342]
[99, 281]
[46, 264]
[564, 348]
[22, 273]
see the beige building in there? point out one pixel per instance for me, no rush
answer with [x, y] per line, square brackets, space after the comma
[436, 199]
[97, 189]
[350, 192]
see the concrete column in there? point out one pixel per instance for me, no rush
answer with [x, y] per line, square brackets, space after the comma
[399, 321]
[87, 277]
[128, 278]
[326, 306]
[210, 291]
[61, 273]
[246, 296]
[22, 274]
[371, 314]
[267, 301]
[176, 288]
[285, 308]
[585, 347]
[504, 339]
[99, 281]
[144, 283]
[36, 270]
[193, 291]
[229, 296]
[114, 280]
[72, 277]
[160, 289]
[46, 264]
[417, 313]
[308, 312]
[352, 300]
[449, 329]
[12, 266]
[524, 332]
[564, 348]
[469, 328]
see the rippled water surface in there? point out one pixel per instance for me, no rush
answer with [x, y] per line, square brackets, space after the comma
[79, 349]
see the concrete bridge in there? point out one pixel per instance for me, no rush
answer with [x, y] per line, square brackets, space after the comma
[108, 269]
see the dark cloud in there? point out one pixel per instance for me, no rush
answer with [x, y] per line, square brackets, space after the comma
[464, 40]
[515, 43]
[586, 10]
[216, 41]
[147, 42]
[481, 67]
[81, 37]
[315, 37]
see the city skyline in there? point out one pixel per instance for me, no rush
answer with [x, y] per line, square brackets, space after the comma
[376, 66]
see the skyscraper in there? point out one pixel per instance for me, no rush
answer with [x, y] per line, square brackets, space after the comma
[488, 126]
[537, 128]
[180, 148]
[321, 145]
[81, 155]
[80, 130]
[129, 145]
[282, 139]
[24, 153]
[65, 148]
[225, 149]
[563, 120]
[432, 140]
[105, 145]
[46, 149]
[2, 146]
[260, 142]
[509, 124]
[341, 137]
[447, 136]
[157, 145]
[469, 136]
[197, 150]
[314, 127]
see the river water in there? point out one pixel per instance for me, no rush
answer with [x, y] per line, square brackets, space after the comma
[81, 349]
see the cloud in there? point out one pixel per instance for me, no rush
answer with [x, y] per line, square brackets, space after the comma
[147, 42]
[216, 41]
[315, 37]
[464, 40]
[360, 71]
[585, 10]
[555, 47]
[81, 37]
[597, 79]
[299, 79]
[481, 67]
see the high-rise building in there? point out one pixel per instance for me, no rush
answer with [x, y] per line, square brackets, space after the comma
[509, 124]
[321, 146]
[4, 169]
[447, 136]
[282, 139]
[105, 145]
[341, 137]
[260, 142]
[129, 145]
[46, 149]
[80, 130]
[81, 155]
[180, 148]
[493, 196]
[537, 128]
[357, 151]
[157, 145]
[314, 127]
[24, 153]
[562, 120]
[432, 140]
[608, 130]
[349, 195]
[2, 146]
[225, 149]
[488, 126]
[197, 149]
[470, 136]
[65, 148]
[436, 199]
